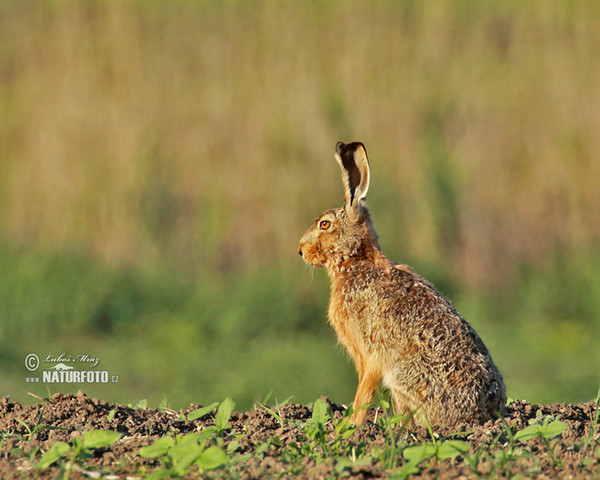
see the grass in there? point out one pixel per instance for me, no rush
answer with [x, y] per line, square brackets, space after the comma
[322, 439]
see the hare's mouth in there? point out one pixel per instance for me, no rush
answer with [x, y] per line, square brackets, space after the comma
[310, 257]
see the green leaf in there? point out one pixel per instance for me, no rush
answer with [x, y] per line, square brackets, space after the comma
[184, 461]
[528, 433]
[100, 438]
[341, 464]
[262, 448]
[57, 451]
[158, 475]
[158, 448]
[206, 433]
[452, 448]
[408, 469]
[344, 429]
[233, 446]
[190, 438]
[212, 458]
[320, 410]
[224, 413]
[25, 425]
[186, 447]
[111, 415]
[418, 453]
[553, 429]
[200, 412]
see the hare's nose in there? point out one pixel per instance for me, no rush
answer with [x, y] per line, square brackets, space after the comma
[300, 251]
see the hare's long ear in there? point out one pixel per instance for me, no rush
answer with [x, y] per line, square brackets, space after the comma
[354, 164]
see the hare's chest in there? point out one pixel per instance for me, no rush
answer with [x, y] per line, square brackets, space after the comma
[342, 318]
[351, 316]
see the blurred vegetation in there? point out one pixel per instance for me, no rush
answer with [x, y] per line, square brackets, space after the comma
[160, 160]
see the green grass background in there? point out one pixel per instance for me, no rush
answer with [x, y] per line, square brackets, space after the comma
[160, 160]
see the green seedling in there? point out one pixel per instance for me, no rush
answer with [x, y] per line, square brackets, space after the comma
[223, 415]
[592, 442]
[499, 456]
[55, 453]
[81, 448]
[596, 420]
[329, 443]
[394, 427]
[315, 427]
[201, 412]
[438, 450]
[164, 403]
[276, 411]
[545, 429]
[178, 454]
[322, 437]
[38, 427]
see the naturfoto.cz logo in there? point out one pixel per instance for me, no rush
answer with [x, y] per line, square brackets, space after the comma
[62, 369]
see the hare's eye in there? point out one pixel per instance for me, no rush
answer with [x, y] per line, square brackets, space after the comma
[324, 224]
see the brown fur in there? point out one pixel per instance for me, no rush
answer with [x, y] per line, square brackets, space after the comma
[398, 329]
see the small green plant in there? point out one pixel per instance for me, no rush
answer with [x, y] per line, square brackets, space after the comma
[499, 456]
[592, 441]
[547, 430]
[178, 454]
[80, 449]
[223, 415]
[202, 411]
[544, 428]
[142, 404]
[329, 443]
[321, 437]
[393, 427]
[438, 450]
[38, 427]
[202, 450]
[276, 410]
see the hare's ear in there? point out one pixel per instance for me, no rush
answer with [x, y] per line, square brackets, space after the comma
[354, 164]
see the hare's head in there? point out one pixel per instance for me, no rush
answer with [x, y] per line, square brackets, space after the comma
[347, 232]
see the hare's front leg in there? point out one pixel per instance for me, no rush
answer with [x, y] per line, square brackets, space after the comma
[368, 381]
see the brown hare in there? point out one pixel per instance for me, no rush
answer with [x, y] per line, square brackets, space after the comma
[396, 326]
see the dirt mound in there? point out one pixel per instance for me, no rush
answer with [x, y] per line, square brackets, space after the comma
[260, 443]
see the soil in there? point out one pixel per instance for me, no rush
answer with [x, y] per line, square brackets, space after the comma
[64, 416]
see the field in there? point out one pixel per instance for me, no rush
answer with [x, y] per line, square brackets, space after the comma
[74, 436]
[160, 160]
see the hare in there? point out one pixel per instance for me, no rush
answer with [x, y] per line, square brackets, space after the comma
[398, 329]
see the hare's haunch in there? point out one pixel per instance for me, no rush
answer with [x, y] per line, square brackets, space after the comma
[396, 326]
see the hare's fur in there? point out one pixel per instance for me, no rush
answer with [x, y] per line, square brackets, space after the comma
[396, 326]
